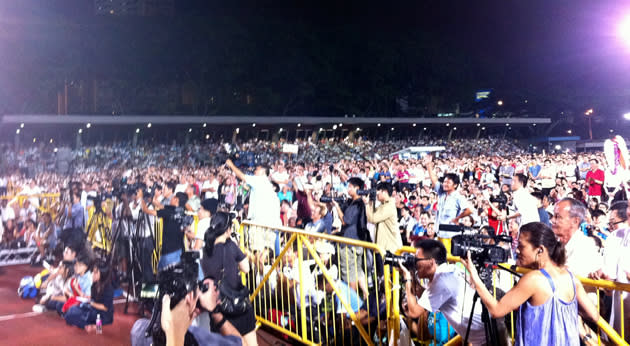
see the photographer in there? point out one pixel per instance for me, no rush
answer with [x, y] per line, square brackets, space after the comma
[446, 291]
[172, 235]
[354, 226]
[224, 260]
[547, 297]
[174, 326]
[385, 218]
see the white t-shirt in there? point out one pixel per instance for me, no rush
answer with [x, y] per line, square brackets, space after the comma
[616, 265]
[214, 184]
[449, 293]
[264, 205]
[526, 206]
[583, 255]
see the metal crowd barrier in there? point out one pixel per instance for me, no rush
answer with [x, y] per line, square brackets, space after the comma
[603, 326]
[299, 291]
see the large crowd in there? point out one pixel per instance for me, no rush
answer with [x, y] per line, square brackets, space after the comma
[490, 186]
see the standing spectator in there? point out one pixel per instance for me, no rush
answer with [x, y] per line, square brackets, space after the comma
[583, 255]
[526, 205]
[595, 180]
[384, 217]
[547, 177]
[506, 172]
[451, 205]
[210, 187]
[616, 265]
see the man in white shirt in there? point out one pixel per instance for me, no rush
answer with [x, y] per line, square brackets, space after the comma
[526, 204]
[446, 292]
[264, 205]
[616, 264]
[583, 255]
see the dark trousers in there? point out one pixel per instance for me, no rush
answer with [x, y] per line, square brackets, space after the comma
[54, 305]
[84, 315]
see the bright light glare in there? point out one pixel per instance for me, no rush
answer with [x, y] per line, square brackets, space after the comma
[624, 30]
[558, 147]
[627, 116]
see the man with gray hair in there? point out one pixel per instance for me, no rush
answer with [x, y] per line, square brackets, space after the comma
[583, 256]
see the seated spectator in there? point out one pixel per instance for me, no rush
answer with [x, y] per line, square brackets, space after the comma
[80, 288]
[54, 298]
[100, 303]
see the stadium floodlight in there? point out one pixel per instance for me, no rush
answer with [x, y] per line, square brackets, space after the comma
[51, 140]
[22, 125]
[254, 125]
[557, 147]
[238, 130]
[190, 130]
[34, 139]
[17, 132]
[627, 116]
[138, 130]
[500, 103]
[88, 125]
[448, 124]
[392, 129]
[534, 124]
[454, 128]
[569, 132]
[207, 136]
[55, 150]
[205, 124]
[483, 128]
[334, 127]
[414, 125]
[80, 130]
[149, 125]
[299, 125]
[379, 124]
[340, 124]
[478, 124]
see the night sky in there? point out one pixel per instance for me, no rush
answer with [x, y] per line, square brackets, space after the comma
[537, 47]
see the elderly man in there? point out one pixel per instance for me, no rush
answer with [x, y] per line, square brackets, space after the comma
[583, 256]
[616, 264]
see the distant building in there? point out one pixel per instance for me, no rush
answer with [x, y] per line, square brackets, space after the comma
[134, 7]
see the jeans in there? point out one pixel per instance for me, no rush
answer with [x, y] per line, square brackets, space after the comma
[84, 315]
[169, 258]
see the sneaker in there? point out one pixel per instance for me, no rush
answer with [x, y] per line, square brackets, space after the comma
[39, 308]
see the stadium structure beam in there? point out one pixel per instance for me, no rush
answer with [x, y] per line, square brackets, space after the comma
[262, 120]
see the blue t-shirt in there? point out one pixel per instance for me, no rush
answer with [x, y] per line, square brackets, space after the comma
[285, 196]
[535, 170]
[85, 282]
[449, 207]
[349, 296]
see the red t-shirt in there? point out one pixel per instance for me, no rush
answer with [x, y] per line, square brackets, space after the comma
[594, 189]
[495, 223]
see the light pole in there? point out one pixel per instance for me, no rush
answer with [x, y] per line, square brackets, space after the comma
[589, 115]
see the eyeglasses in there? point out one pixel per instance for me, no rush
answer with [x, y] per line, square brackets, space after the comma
[612, 223]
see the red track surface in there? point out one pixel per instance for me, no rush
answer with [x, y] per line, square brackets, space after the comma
[20, 326]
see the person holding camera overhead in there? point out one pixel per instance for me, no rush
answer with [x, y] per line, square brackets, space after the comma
[172, 234]
[223, 260]
[547, 298]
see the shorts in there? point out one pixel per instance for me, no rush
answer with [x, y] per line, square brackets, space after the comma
[351, 263]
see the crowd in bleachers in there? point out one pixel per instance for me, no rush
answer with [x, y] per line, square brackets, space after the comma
[494, 185]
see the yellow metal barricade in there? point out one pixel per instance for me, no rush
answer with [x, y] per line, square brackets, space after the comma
[299, 291]
[611, 334]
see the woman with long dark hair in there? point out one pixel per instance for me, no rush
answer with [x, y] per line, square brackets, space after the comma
[223, 260]
[547, 297]
[101, 302]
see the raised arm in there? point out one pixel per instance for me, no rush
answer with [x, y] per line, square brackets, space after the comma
[239, 174]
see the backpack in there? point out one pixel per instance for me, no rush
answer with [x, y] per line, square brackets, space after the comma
[27, 288]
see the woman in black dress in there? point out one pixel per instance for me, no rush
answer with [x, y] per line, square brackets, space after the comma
[224, 260]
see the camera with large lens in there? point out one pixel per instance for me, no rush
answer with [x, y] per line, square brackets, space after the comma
[97, 200]
[182, 219]
[406, 260]
[328, 199]
[482, 248]
[371, 193]
[501, 199]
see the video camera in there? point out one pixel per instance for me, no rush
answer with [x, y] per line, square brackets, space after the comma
[371, 193]
[182, 219]
[481, 252]
[97, 200]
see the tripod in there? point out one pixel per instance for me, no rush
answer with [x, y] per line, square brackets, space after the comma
[99, 230]
[138, 253]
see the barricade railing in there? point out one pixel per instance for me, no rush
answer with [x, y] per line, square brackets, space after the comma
[603, 326]
[47, 201]
[298, 290]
